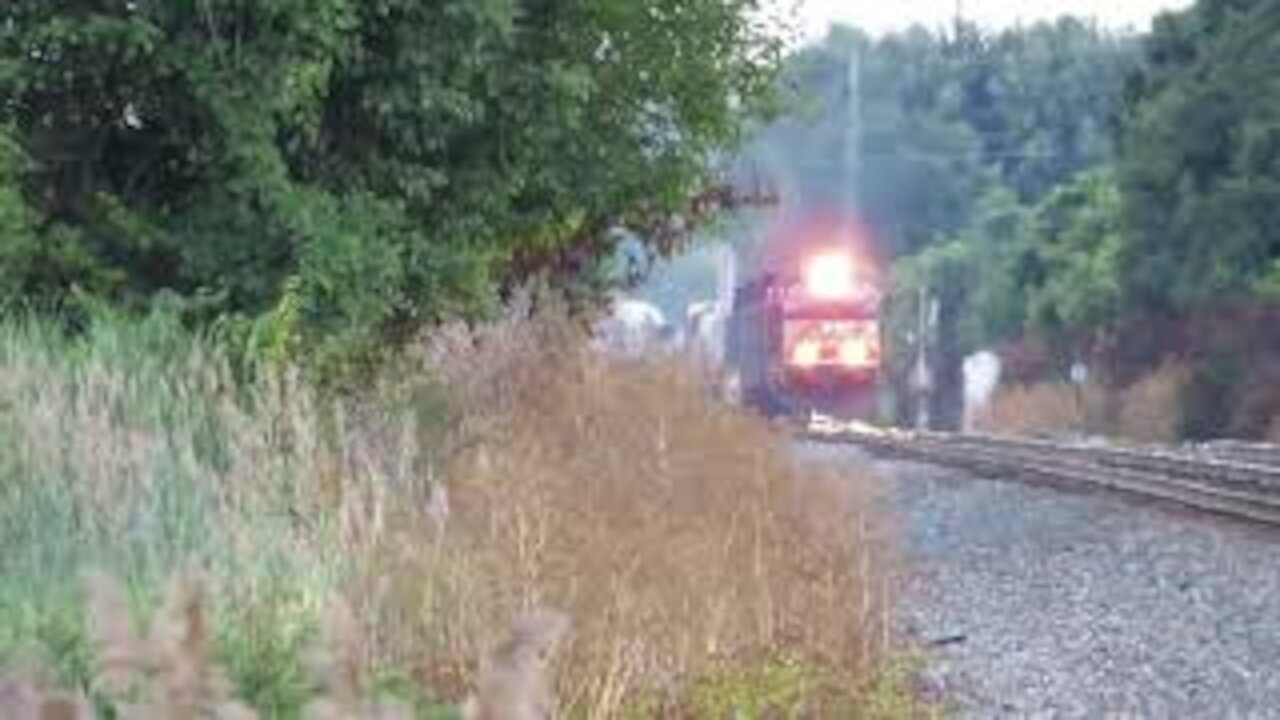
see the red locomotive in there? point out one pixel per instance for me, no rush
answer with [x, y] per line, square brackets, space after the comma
[805, 336]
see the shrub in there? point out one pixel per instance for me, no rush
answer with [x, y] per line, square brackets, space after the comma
[1259, 399]
[1211, 393]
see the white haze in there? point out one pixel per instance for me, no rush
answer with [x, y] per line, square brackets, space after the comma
[878, 17]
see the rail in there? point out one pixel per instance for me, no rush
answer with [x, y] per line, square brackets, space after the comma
[1231, 480]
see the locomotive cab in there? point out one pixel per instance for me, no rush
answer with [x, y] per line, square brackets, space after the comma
[809, 340]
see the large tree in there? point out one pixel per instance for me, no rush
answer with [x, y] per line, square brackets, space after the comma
[1201, 158]
[366, 165]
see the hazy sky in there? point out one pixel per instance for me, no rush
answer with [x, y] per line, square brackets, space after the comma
[879, 16]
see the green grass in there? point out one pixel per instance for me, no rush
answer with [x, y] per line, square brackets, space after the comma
[780, 688]
[132, 449]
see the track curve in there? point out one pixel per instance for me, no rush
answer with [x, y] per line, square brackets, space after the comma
[1234, 481]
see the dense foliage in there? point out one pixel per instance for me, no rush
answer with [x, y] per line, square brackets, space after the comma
[1201, 160]
[946, 120]
[1061, 185]
[982, 171]
[347, 170]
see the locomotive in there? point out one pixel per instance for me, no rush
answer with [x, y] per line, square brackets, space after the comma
[805, 336]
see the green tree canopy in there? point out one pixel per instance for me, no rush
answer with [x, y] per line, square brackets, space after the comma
[946, 120]
[368, 165]
[1051, 268]
[1200, 166]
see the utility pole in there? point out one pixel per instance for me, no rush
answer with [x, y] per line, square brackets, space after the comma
[726, 284]
[853, 133]
[922, 377]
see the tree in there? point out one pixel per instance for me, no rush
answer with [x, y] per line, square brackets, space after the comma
[948, 120]
[1075, 242]
[352, 169]
[1201, 158]
[19, 245]
[1050, 269]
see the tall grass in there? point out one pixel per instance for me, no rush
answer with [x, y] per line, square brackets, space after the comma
[1149, 410]
[1047, 408]
[135, 451]
[494, 473]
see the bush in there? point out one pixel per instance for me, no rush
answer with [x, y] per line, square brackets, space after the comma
[1232, 359]
[1259, 401]
[1209, 399]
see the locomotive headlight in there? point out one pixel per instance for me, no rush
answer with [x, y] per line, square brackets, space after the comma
[829, 276]
[855, 352]
[806, 353]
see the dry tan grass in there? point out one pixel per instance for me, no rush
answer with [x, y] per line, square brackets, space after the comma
[1040, 409]
[1151, 408]
[674, 532]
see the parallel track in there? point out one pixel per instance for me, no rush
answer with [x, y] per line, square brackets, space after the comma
[1239, 482]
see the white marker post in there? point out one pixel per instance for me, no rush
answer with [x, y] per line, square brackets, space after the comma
[1079, 377]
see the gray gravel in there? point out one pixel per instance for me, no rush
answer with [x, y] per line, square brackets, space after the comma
[1032, 602]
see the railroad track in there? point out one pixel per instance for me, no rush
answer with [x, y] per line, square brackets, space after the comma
[1231, 480]
[1246, 452]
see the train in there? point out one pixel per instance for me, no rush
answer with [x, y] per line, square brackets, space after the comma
[805, 336]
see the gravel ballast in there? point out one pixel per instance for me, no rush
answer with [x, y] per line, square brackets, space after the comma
[1032, 602]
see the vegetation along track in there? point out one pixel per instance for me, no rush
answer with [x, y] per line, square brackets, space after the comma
[1241, 485]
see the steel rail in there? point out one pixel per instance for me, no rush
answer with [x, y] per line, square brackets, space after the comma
[1225, 484]
[1249, 452]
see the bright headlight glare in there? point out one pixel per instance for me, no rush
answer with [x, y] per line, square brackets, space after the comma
[829, 276]
[806, 354]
